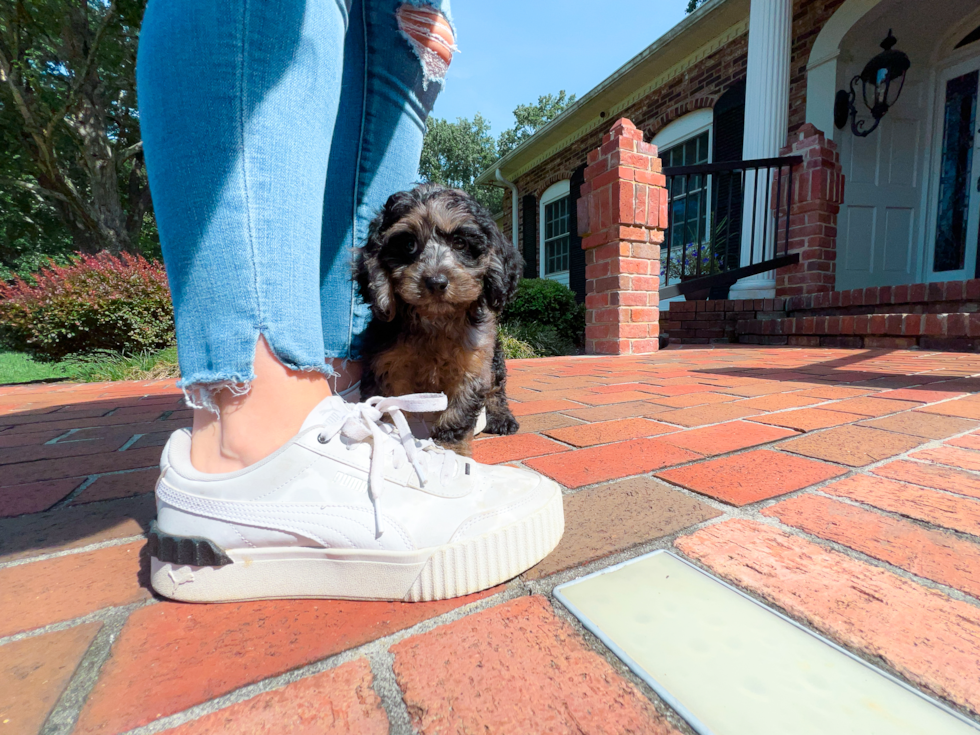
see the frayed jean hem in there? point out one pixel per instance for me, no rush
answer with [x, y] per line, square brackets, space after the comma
[200, 389]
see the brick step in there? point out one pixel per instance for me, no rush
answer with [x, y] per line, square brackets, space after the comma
[953, 331]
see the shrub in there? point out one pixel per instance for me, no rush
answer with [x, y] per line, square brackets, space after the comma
[542, 340]
[101, 302]
[541, 302]
[515, 349]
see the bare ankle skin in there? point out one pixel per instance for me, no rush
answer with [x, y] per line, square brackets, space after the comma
[250, 427]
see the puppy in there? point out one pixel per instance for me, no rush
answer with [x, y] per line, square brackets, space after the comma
[437, 272]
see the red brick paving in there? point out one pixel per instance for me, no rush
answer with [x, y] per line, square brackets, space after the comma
[69, 528]
[702, 415]
[967, 408]
[936, 555]
[122, 485]
[927, 425]
[931, 506]
[66, 587]
[751, 477]
[873, 407]
[532, 407]
[724, 438]
[855, 446]
[605, 432]
[928, 637]
[780, 402]
[611, 518]
[807, 419]
[337, 702]
[615, 411]
[970, 441]
[33, 674]
[689, 400]
[199, 652]
[610, 461]
[931, 475]
[918, 516]
[516, 669]
[495, 450]
[34, 497]
[966, 459]
[922, 395]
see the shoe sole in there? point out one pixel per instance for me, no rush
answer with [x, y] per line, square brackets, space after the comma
[431, 574]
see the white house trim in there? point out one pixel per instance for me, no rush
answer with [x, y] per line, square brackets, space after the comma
[685, 128]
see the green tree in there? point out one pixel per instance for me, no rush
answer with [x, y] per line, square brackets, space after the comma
[455, 153]
[693, 5]
[529, 118]
[70, 149]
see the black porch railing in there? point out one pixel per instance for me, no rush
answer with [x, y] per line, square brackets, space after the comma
[709, 206]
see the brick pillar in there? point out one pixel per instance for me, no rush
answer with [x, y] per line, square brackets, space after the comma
[622, 213]
[818, 192]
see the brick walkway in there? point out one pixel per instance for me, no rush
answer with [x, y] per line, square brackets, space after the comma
[841, 487]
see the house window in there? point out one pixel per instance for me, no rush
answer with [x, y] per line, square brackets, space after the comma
[688, 195]
[555, 233]
[687, 142]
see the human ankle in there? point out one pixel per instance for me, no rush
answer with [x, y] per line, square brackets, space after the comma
[250, 425]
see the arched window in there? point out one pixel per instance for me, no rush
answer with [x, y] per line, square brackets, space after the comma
[555, 240]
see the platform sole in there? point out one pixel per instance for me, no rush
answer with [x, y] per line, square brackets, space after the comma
[436, 573]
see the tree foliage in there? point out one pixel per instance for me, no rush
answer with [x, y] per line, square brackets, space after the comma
[529, 118]
[693, 5]
[71, 167]
[456, 153]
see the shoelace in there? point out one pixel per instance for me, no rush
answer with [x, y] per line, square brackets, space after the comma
[365, 422]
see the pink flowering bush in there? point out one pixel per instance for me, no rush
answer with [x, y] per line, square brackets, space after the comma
[96, 302]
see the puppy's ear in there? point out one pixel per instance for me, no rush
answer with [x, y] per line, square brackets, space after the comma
[373, 280]
[506, 266]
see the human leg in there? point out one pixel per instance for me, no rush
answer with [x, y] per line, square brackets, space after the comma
[238, 101]
[352, 505]
[396, 56]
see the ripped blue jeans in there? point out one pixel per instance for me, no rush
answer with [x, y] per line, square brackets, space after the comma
[273, 131]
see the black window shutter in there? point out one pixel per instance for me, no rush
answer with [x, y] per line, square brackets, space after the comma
[576, 256]
[728, 129]
[530, 236]
[729, 124]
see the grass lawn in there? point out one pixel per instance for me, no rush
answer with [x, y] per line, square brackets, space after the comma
[16, 367]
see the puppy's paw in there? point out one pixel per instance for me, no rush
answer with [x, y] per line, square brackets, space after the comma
[504, 424]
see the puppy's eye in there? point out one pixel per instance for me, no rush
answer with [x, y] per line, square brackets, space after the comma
[404, 243]
[459, 241]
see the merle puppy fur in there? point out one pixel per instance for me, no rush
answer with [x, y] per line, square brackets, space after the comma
[437, 272]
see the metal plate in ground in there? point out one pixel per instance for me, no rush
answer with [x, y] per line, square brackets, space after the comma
[731, 666]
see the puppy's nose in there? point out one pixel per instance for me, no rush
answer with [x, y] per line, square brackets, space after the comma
[437, 284]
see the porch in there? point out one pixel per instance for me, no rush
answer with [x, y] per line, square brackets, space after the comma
[839, 487]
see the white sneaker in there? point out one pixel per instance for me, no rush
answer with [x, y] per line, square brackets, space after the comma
[351, 507]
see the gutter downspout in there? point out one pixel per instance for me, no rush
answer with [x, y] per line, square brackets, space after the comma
[513, 206]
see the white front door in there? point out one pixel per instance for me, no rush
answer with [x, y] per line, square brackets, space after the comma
[878, 228]
[953, 226]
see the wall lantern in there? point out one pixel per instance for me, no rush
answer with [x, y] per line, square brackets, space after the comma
[881, 84]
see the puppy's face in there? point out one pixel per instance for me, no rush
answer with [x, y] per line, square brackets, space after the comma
[438, 251]
[437, 255]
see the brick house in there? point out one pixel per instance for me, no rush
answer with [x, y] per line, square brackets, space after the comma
[742, 97]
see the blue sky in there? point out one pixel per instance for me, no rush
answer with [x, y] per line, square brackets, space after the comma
[512, 51]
